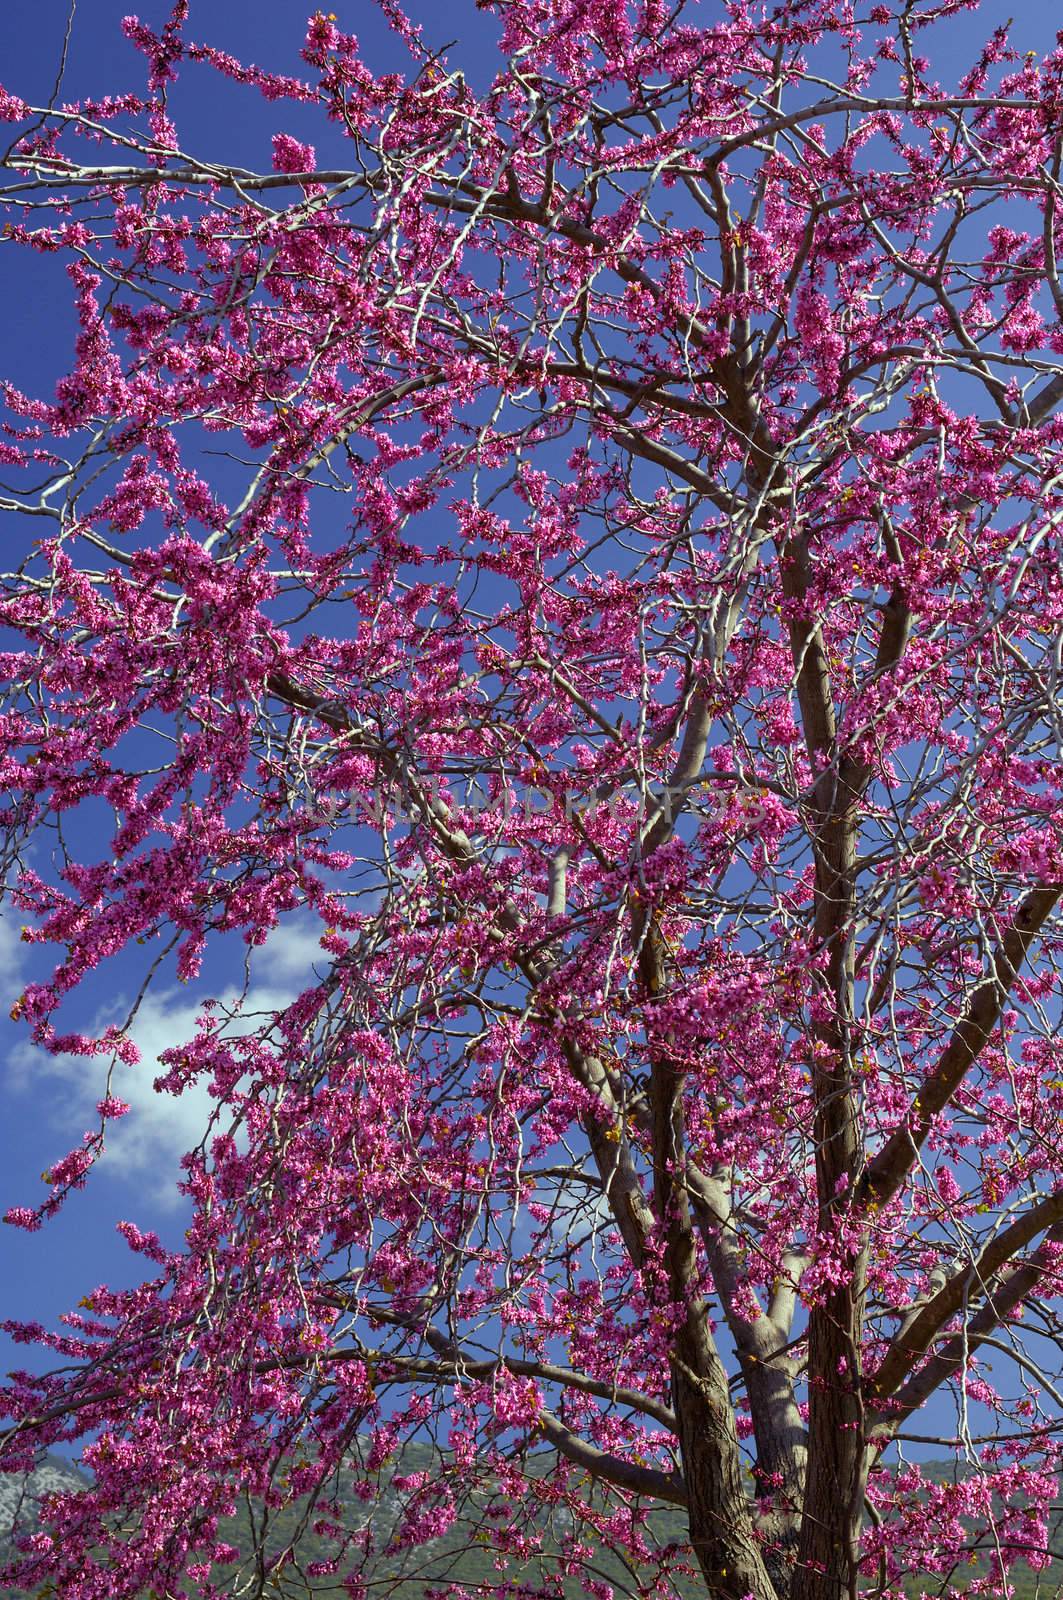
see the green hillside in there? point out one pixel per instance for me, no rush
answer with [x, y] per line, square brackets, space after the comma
[465, 1554]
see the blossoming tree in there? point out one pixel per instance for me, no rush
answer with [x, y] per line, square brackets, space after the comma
[591, 543]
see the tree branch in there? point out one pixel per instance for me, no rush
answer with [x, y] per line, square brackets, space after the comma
[610, 1469]
[886, 1172]
[954, 1355]
[914, 1340]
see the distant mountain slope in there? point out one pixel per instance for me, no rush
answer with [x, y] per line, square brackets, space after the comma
[460, 1556]
[17, 1490]
[20, 1494]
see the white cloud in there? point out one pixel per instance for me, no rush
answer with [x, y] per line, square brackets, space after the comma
[144, 1148]
[12, 953]
[291, 953]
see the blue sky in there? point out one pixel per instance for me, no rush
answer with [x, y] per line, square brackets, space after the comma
[47, 1103]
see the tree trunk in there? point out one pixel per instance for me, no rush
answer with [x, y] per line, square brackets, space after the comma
[721, 1528]
[779, 1472]
[837, 1458]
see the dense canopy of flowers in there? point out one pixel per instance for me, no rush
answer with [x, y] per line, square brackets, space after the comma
[591, 544]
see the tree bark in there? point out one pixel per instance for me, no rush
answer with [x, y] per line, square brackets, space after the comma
[721, 1530]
